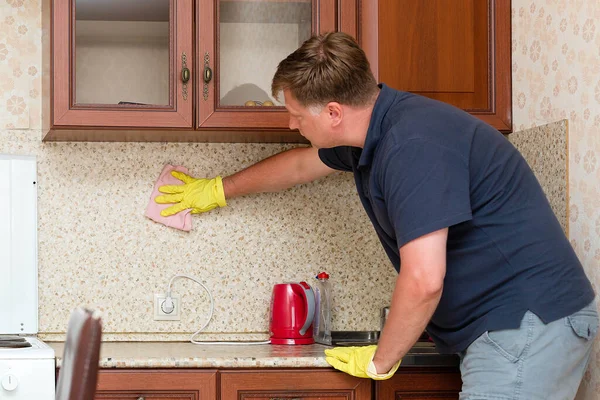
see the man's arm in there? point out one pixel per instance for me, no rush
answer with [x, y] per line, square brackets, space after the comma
[416, 295]
[278, 172]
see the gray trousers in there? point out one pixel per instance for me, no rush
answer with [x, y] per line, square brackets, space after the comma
[537, 361]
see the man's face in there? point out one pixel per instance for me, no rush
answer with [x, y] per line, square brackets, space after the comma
[313, 126]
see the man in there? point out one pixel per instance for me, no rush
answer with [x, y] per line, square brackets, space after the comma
[483, 263]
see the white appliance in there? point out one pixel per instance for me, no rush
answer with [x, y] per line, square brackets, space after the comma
[27, 365]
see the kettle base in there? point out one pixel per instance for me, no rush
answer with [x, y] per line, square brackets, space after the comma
[292, 341]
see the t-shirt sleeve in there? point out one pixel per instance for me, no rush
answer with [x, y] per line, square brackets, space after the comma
[339, 158]
[425, 188]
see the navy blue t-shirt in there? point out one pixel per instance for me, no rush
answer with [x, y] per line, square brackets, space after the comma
[427, 165]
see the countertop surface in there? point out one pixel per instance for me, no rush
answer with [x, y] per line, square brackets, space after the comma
[188, 355]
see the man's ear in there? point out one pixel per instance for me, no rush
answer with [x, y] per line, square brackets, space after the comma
[335, 113]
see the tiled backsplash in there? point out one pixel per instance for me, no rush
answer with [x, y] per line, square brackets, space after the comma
[545, 149]
[97, 248]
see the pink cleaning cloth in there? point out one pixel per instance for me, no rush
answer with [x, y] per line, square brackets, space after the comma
[183, 219]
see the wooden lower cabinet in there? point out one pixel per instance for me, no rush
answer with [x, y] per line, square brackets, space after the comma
[171, 384]
[274, 384]
[293, 385]
[420, 384]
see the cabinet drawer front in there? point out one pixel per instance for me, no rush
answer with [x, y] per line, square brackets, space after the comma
[426, 383]
[156, 385]
[293, 384]
[147, 396]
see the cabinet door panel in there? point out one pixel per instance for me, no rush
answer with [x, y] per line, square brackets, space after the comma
[293, 384]
[457, 52]
[427, 384]
[240, 44]
[156, 385]
[120, 64]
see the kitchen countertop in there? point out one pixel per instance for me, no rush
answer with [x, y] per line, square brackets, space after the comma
[188, 355]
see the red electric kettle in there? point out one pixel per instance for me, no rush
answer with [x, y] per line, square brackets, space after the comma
[292, 312]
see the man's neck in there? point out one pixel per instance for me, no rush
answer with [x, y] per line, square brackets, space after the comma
[356, 123]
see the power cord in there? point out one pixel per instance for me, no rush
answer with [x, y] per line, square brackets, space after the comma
[169, 306]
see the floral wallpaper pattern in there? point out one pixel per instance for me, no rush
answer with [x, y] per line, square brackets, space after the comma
[20, 66]
[556, 75]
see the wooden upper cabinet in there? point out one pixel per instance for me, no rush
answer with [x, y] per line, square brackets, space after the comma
[179, 70]
[201, 70]
[121, 64]
[240, 44]
[455, 51]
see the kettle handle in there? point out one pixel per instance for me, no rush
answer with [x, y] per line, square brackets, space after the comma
[309, 298]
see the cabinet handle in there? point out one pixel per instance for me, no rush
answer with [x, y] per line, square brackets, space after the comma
[206, 75]
[185, 77]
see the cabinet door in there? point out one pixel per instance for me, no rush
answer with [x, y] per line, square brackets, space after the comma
[293, 384]
[240, 44]
[455, 51]
[156, 385]
[426, 384]
[121, 63]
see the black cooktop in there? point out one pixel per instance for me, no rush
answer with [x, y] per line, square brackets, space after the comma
[13, 342]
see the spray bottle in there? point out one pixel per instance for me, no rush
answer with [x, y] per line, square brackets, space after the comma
[322, 321]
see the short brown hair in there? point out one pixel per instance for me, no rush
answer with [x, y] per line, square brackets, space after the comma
[327, 67]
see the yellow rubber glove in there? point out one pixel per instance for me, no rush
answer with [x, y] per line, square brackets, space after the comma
[357, 361]
[200, 195]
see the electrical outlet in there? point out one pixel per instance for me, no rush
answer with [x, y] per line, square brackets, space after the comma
[159, 308]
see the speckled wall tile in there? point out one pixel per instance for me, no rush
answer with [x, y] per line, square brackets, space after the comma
[96, 247]
[545, 149]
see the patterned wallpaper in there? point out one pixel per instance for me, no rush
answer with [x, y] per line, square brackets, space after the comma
[556, 75]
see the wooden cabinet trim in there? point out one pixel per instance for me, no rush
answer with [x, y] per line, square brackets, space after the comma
[158, 135]
[66, 114]
[327, 17]
[206, 47]
[348, 17]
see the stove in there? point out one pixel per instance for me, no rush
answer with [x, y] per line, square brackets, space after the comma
[27, 364]
[24, 347]
[27, 373]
